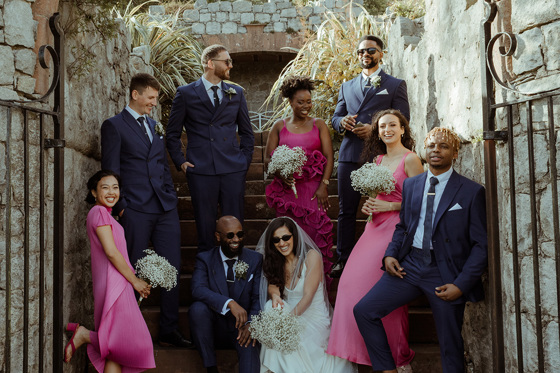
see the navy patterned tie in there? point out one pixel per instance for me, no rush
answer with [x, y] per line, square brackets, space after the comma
[216, 98]
[143, 126]
[230, 277]
[428, 221]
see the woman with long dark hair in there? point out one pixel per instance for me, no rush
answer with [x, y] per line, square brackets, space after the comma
[293, 278]
[391, 145]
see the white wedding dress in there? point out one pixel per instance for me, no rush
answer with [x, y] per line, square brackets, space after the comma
[310, 357]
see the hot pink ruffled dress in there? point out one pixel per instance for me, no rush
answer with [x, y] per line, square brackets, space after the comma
[303, 210]
[361, 272]
[121, 334]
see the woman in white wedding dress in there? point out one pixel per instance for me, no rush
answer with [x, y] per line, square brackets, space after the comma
[293, 278]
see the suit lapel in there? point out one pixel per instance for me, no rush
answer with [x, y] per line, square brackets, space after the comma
[203, 95]
[417, 196]
[219, 274]
[373, 91]
[157, 143]
[135, 127]
[451, 189]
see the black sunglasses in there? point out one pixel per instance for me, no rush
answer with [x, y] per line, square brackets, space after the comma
[284, 238]
[230, 235]
[228, 62]
[371, 51]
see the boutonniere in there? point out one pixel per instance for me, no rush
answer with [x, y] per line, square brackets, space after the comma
[240, 268]
[375, 81]
[160, 130]
[230, 91]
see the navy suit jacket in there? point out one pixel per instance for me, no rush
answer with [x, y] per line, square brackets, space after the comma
[210, 287]
[351, 100]
[212, 146]
[459, 236]
[146, 183]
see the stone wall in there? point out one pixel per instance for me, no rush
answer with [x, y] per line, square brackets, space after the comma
[439, 57]
[100, 94]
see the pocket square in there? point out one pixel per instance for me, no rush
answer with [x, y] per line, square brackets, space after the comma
[250, 277]
[456, 207]
[383, 92]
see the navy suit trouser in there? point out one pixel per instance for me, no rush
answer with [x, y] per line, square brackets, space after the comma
[348, 202]
[391, 292]
[211, 330]
[164, 231]
[209, 191]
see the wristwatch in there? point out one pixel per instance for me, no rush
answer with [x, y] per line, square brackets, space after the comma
[325, 181]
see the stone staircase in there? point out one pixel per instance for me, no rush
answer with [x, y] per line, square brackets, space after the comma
[257, 215]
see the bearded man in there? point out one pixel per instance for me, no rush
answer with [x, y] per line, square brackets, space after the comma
[213, 113]
[358, 101]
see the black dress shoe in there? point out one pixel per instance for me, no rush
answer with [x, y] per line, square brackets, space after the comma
[175, 339]
[213, 369]
[336, 270]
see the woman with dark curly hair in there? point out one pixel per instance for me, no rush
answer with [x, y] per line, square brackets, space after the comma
[309, 208]
[390, 144]
[293, 279]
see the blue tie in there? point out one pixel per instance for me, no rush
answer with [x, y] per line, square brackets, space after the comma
[216, 98]
[143, 126]
[428, 221]
[230, 277]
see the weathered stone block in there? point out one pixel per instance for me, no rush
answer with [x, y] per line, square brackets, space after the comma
[294, 24]
[157, 10]
[241, 30]
[191, 15]
[234, 17]
[279, 27]
[275, 17]
[225, 6]
[551, 33]
[7, 67]
[26, 84]
[528, 55]
[315, 20]
[288, 13]
[284, 5]
[263, 17]
[205, 17]
[7, 93]
[221, 16]
[525, 14]
[242, 6]
[19, 26]
[551, 347]
[305, 11]
[257, 8]
[319, 9]
[213, 7]
[329, 4]
[268, 28]
[247, 18]
[198, 28]
[269, 8]
[200, 4]
[229, 28]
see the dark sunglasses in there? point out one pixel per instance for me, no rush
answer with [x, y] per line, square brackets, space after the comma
[371, 51]
[230, 235]
[284, 238]
[228, 62]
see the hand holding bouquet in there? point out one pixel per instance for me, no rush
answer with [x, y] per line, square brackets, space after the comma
[287, 161]
[156, 271]
[371, 180]
[278, 329]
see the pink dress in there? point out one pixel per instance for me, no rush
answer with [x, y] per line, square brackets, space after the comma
[121, 333]
[303, 209]
[362, 271]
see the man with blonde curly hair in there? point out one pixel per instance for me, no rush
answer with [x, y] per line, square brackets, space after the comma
[439, 249]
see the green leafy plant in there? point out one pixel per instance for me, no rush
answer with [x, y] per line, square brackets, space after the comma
[408, 8]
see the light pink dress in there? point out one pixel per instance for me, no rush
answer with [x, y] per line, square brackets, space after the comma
[361, 272]
[303, 209]
[121, 334]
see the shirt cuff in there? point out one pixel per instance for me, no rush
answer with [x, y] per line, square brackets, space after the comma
[225, 308]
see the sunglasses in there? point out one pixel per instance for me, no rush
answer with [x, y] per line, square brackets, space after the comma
[284, 238]
[370, 51]
[228, 62]
[230, 235]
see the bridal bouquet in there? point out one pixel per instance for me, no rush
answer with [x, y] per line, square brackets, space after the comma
[287, 161]
[371, 180]
[278, 329]
[156, 271]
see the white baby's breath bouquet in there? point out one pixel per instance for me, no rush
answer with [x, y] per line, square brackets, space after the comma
[278, 329]
[371, 180]
[156, 271]
[287, 161]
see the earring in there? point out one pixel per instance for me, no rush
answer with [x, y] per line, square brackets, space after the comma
[402, 135]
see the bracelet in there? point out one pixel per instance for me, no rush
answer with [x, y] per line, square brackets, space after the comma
[390, 206]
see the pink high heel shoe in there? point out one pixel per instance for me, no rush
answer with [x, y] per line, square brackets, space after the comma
[71, 327]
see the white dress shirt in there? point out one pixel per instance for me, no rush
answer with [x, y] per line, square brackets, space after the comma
[440, 187]
[208, 86]
[146, 124]
[366, 77]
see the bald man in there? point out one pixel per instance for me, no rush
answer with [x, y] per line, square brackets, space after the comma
[225, 299]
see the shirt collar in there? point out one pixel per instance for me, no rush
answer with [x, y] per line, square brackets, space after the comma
[134, 114]
[208, 86]
[375, 73]
[224, 258]
[442, 177]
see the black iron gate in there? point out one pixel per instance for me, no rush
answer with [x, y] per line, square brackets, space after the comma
[521, 173]
[32, 205]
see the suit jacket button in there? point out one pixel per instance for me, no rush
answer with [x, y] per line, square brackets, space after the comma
[211, 139]
[211, 124]
[225, 138]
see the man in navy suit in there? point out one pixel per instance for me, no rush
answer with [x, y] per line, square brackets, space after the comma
[212, 113]
[358, 100]
[226, 297]
[148, 204]
[439, 249]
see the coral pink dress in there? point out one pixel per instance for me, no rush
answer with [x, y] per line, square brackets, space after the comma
[362, 271]
[121, 333]
[303, 210]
